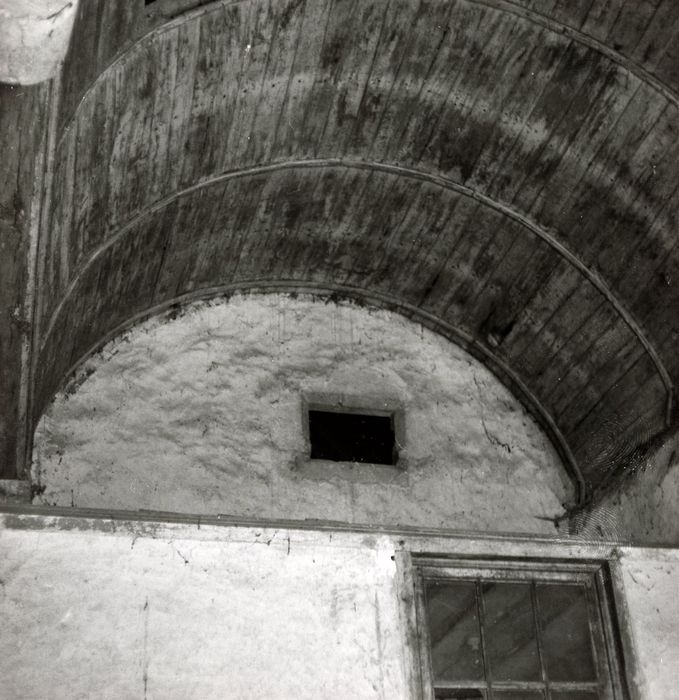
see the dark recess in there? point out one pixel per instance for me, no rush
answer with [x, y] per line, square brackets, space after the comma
[352, 437]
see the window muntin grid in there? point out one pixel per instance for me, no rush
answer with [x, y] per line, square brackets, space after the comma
[526, 632]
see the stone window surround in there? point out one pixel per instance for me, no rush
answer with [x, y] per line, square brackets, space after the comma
[359, 472]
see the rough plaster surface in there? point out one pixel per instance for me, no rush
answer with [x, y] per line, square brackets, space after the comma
[645, 508]
[650, 581]
[34, 36]
[203, 414]
[92, 614]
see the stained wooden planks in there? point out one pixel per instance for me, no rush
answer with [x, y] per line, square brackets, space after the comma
[102, 29]
[23, 128]
[220, 105]
[642, 32]
[539, 125]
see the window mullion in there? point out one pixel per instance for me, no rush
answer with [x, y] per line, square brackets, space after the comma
[482, 627]
[538, 637]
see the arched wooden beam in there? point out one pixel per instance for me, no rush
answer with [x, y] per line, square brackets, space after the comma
[445, 183]
[506, 6]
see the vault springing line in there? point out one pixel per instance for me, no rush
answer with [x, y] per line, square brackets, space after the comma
[381, 300]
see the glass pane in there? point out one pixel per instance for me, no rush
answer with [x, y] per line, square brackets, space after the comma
[511, 641]
[518, 695]
[566, 637]
[575, 695]
[454, 631]
[459, 694]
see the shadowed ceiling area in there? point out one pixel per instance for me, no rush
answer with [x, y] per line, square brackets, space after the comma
[505, 173]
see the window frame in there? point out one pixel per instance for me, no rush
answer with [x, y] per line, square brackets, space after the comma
[359, 472]
[595, 575]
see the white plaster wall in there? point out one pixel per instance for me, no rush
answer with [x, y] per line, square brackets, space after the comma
[202, 414]
[123, 615]
[97, 608]
[651, 579]
[34, 36]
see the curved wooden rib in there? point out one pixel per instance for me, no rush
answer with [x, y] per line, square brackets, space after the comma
[506, 6]
[500, 368]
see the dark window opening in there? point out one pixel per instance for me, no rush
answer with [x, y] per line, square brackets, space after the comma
[352, 437]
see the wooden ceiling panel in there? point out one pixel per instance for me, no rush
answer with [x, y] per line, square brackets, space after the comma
[639, 31]
[173, 275]
[434, 292]
[587, 399]
[619, 175]
[661, 319]
[429, 234]
[300, 84]
[204, 137]
[516, 282]
[102, 29]
[552, 189]
[653, 41]
[409, 69]
[577, 302]
[561, 108]
[639, 383]
[54, 239]
[604, 437]
[461, 268]
[143, 135]
[555, 291]
[502, 171]
[520, 123]
[476, 298]
[352, 35]
[645, 260]
[573, 13]
[605, 347]
[588, 338]
[668, 58]
[249, 230]
[269, 64]
[434, 137]
[604, 17]
[600, 201]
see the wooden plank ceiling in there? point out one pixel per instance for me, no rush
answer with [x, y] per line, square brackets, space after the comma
[505, 172]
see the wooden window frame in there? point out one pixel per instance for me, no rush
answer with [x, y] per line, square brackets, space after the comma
[603, 618]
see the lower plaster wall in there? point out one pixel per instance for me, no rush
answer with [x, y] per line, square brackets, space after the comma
[111, 615]
[202, 413]
[98, 608]
[650, 578]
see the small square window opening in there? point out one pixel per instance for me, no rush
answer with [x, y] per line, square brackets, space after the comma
[352, 436]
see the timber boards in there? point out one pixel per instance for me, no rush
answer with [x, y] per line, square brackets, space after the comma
[489, 164]
[23, 120]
